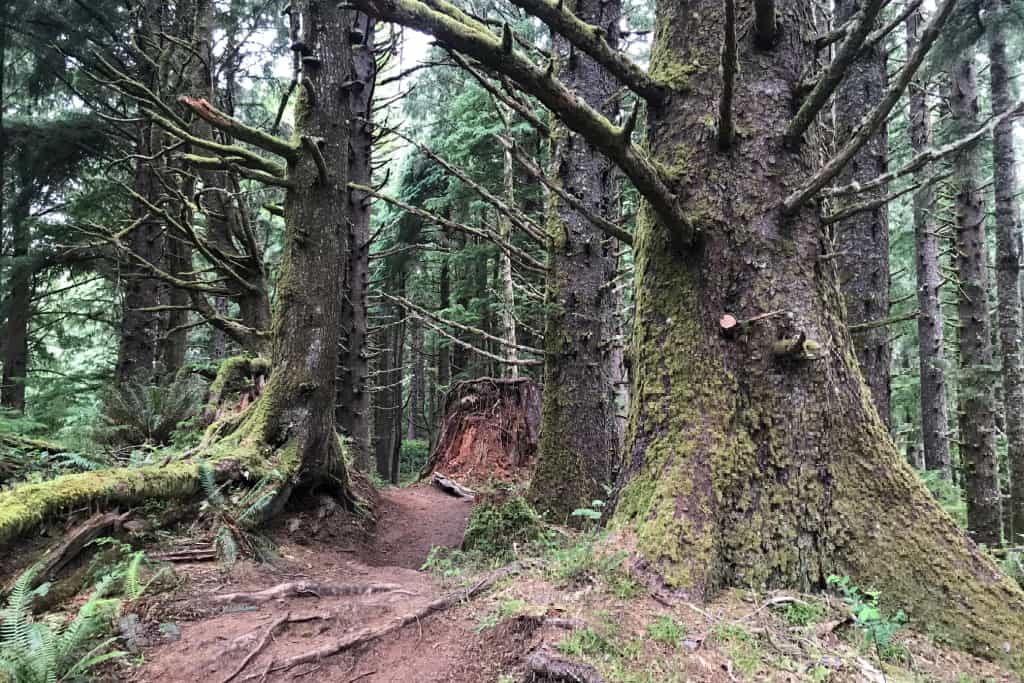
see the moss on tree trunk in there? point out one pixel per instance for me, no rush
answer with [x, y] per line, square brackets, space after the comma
[749, 468]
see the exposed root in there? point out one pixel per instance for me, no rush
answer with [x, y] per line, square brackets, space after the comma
[367, 635]
[551, 668]
[259, 647]
[296, 588]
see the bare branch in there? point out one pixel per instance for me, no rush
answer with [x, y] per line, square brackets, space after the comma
[590, 40]
[512, 103]
[870, 124]
[480, 43]
[605, 225]
[237, 129]
[829, 81]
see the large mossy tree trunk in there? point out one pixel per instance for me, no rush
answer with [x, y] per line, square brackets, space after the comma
[862, 240]
[757, 459]
[353, 410]
[977, 411]
[579, 436]
[931, 350]
[1008, 239]
[292, 426]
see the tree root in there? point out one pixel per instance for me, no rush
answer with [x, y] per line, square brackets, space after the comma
[450, 486]
[546, 665]
[367, 635]
[294, 588]
[286, 619]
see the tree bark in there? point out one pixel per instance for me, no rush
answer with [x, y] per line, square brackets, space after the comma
[508, 297]
[977, 414]
[758, 459]
[353, 389]
[1008, 245]
[579, 440]
[19, 307]
[862, 241]
[931, 352]
[140, 328]
[418, 383]
[293, 419]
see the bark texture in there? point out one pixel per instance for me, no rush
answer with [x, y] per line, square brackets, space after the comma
[292, 422]
[579, 436]
[931, 352]
[862, 241]
[353, 410]
[18, 307]
[977, 414]
[757, 459]
[1008, 247]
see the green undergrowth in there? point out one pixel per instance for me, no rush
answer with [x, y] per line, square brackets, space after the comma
[71, 647]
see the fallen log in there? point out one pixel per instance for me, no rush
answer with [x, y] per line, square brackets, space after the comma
[450, 486]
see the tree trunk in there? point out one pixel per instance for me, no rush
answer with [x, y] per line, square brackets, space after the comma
[444, 349]
[353, 390]
[1008, 240]
[862, 241]
[757, 459]
[140, 328]
[294, 416]
[508, 297]
[418, 383]
[397, 395]
[579, 438]
[977, 401]
[931, 352]
[19, 308]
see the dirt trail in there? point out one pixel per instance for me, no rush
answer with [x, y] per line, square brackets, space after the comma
[215, 639]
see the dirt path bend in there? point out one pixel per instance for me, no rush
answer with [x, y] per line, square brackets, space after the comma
[412, 521]
[189, 636]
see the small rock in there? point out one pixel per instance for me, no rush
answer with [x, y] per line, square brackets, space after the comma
[170, 630]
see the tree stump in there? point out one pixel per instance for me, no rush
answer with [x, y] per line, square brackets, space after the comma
[489, 431]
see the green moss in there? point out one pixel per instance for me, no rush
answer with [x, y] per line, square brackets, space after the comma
[26, 506]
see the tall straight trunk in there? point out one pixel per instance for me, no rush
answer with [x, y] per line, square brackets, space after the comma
[977, 414]
[295, 413]
[418, 383]
[398, 374]
[579, 437]
[508, 297]
[353, 390]
[444, 349]
[757, 458]
[383, 412]
[19, 308]
[862, 241]
[1008, 241]
[140, 328]
[931, 352]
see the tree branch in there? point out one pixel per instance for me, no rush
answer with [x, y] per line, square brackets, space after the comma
[510, 102]
[236, 129]
[590, 40]
[609, 228]
[725, 124]
[476, 41]
[871, 122]
[830, 80]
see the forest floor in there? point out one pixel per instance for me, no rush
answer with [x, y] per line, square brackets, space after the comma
[574, 605]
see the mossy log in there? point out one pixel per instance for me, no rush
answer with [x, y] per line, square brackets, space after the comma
[24, 507]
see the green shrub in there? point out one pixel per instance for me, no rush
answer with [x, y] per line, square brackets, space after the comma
[877, 628]
[493, 528]
[412, 458]
[802, 613]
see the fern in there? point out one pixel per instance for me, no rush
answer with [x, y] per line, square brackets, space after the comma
[133, 588]
[34, 651]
